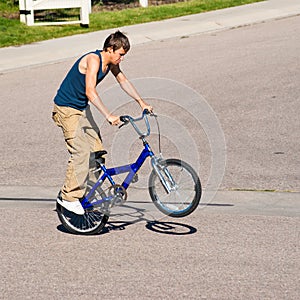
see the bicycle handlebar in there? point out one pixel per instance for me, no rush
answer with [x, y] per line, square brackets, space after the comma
[128, 119]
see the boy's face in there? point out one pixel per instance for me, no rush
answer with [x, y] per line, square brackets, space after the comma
[117, 56]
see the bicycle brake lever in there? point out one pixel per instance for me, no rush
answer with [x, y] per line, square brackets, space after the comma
[125, 121]
[123, 124]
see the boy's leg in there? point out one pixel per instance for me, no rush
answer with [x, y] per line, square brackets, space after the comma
[93, 135]
[70, 120]
[92, 131]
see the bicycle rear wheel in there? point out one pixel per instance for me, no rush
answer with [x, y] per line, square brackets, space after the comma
[185, 188]
[93, 220]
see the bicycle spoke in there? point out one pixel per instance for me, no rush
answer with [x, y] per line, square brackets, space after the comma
[183, 197]
[91, 222]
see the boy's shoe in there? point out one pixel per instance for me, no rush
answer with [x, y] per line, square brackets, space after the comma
[73, 206]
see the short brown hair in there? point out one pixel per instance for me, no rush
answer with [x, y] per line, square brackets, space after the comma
[117, 40]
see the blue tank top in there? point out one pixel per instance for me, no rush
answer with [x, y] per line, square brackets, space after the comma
[72, 90]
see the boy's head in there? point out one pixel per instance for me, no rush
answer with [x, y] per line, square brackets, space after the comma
[116, 41]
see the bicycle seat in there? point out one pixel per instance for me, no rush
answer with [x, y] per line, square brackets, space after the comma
[99, 156]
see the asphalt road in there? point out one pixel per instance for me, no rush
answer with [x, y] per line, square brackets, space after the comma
[249, 76]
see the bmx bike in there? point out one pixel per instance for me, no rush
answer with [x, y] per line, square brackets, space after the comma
[173, 185]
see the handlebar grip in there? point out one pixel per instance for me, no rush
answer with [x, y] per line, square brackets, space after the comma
[148, 112]
[124, 119]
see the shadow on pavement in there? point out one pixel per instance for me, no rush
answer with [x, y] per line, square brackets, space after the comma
[27, 199]
[139, 215]
[215, 204]
[170, 228]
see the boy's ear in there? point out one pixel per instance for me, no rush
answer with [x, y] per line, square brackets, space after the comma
[109, 49]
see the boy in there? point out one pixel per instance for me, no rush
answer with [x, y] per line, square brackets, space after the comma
[72, 113]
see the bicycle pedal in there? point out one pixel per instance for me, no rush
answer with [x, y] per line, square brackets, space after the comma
[118, 201]
[135, 178]
[105, 207]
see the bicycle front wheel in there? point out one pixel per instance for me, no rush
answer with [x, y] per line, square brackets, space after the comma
[185, 188]
[93, 220]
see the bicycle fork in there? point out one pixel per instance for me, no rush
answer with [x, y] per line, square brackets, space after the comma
[160, 166]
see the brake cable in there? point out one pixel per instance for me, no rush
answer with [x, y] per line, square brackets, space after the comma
[159, 135]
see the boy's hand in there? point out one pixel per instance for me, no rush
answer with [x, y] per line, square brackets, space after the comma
[113, 120]
[147, 106]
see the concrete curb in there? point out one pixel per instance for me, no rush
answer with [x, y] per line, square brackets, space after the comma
[231, 202]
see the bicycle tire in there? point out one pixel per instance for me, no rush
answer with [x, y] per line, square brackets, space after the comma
[93, 220]
[183, 200]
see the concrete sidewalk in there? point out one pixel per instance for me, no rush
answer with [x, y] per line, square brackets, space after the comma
[226, 202]
[50, 51]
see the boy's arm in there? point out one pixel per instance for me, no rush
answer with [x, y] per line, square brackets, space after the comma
[92, 68]
[128, 87]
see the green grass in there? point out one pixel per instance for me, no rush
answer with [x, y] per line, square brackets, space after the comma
[13, 33]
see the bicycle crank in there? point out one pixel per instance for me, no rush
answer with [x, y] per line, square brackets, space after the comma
[118, 193]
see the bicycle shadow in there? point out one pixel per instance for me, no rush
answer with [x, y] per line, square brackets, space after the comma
[134, 215]
[161, 227]
[154, 224]
[138, 215]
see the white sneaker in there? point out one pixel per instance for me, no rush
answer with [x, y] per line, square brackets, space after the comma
[73, 206]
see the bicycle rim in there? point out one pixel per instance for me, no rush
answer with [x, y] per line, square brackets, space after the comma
[93, 220]
[186, 193]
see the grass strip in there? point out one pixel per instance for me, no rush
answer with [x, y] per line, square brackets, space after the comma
[14, 33]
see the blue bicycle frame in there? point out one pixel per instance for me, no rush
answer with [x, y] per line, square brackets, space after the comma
[131, 169]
